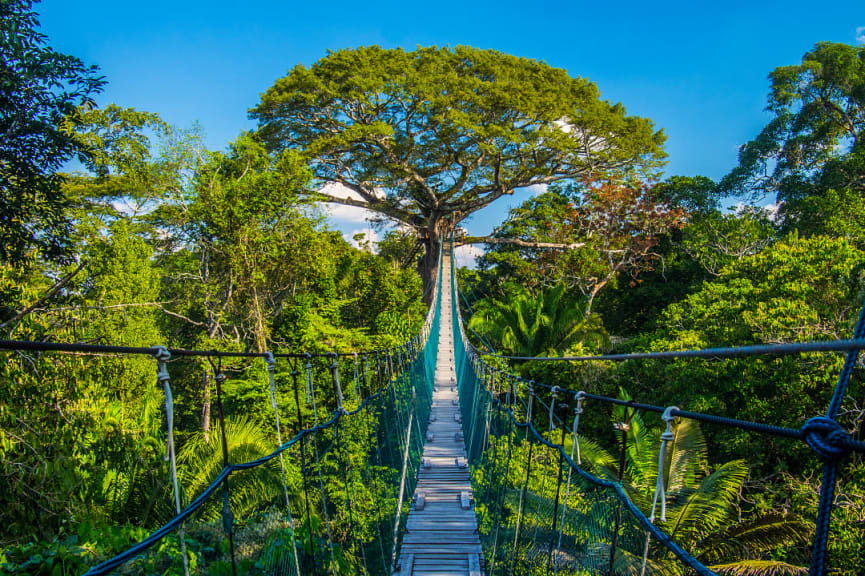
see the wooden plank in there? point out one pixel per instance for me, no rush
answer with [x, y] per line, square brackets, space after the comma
[406, 565]
[474, 565]
[441, 537]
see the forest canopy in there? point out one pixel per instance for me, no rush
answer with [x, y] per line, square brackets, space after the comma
[157, 240]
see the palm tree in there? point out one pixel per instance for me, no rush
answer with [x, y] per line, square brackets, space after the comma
[200, 462]
[542, 324]
[701, 512]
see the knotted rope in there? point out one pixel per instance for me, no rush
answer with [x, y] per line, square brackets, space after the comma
[162, 376]
[271, 375]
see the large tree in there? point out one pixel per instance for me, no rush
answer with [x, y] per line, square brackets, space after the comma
[428, 137]
[587, 237]
[812, 151]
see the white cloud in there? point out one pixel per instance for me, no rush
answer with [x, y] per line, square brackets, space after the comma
[347, 214]
[536, 189]
[860, 34]
[467, 255]
[771, 211]
[340, 213]
[370, 236]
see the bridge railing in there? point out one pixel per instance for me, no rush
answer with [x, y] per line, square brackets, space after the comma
[315, 483]
[541, 512]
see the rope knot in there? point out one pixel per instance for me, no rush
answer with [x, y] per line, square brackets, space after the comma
[270, 361]
[826, 437]
[162, 357]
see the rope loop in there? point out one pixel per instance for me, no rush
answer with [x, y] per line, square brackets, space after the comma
[271, 371]
[668, 417]
[577, 411]
[270, 361]
[826, 437]
[334, 370]
[532, 394]
[308, 367]
[660, 489]
[162, 357]
[554, 391]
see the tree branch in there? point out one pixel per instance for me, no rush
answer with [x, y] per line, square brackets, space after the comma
[377, 206]
[518, 242]
[50, 294]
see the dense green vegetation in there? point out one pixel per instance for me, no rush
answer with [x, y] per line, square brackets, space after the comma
[687, 273]
[157, 240]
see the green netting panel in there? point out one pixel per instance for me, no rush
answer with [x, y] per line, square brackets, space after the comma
[331, 499]
[538, 513]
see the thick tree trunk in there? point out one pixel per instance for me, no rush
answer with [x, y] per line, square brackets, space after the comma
[431, 239]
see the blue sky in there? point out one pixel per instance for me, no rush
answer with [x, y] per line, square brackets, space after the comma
[698, 69]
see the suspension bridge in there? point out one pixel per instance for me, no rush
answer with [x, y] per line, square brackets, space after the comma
[426, 459]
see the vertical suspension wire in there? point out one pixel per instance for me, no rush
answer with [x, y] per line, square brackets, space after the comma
[357, 399]
[227, 515]
[558, 486]
[575, 446]
[545, 466]
[295, 372]
[342, 412]
[660, 492]
[487, 461]
[271, 373]
[162, 376]
[318, 468]
[505, 480]
[475, 392]
[396, 521]
[623, 428]
[376, 486]
[528, 475]
[351, 495]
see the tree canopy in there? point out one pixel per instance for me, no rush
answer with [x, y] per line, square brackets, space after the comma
[436, 134]
[814, 142]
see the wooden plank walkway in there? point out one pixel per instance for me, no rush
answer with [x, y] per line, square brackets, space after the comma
[441, 536]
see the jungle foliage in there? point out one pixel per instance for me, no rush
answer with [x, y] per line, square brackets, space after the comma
[784, 266]
[161, 241]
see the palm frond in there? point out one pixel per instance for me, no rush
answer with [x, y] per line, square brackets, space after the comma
[685, 453]
[699, 511]
[200, 462]
[763, 533]
[758, 568]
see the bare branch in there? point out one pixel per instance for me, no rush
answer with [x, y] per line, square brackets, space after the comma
[519, 242]
[48, 295]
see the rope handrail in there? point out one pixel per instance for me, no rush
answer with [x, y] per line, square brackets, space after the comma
[407, 353]
[80, 347]
[784, 349]
[823, 434]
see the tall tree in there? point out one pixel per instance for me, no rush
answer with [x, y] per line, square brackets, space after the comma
[585, 237]
[814, 143]
[39, 88]
[431, 136]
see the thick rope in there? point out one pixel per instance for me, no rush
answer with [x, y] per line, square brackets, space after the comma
[271, 374]
[162, 376]
[318, 468]
[575, 446]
